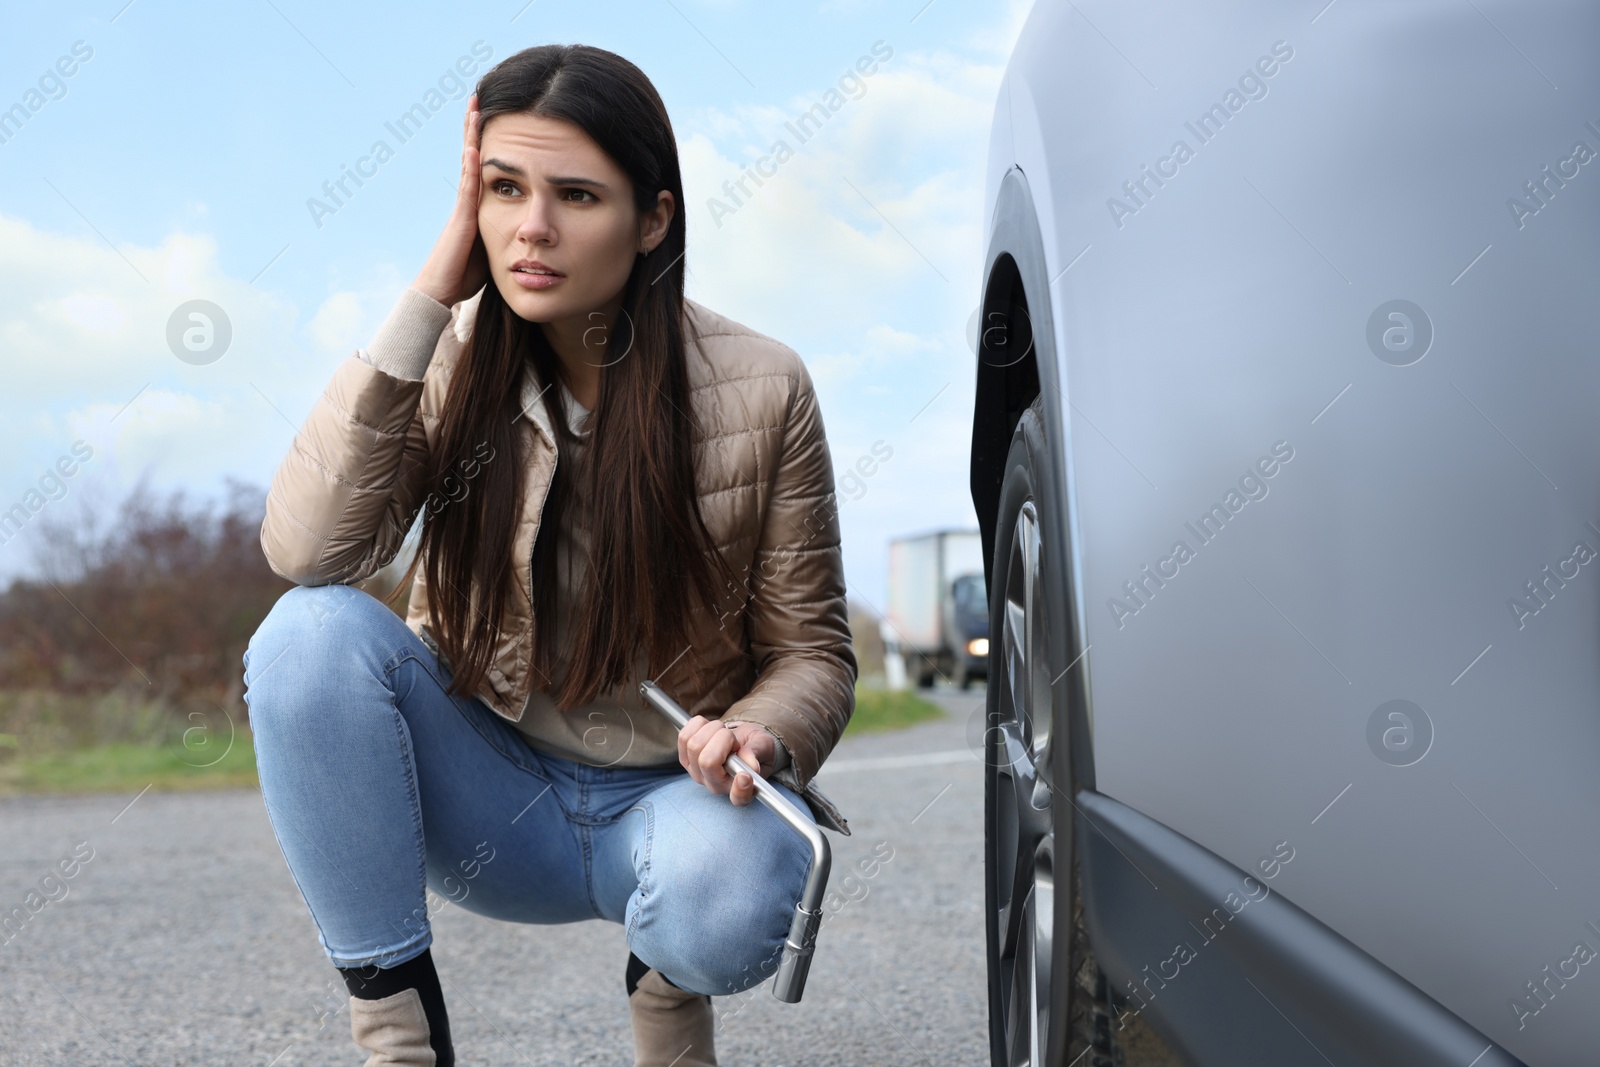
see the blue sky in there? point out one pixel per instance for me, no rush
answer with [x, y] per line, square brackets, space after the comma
[176, 161]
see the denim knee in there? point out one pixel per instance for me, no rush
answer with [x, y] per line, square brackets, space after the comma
[316, 624]
[735, 925]
[740, 950]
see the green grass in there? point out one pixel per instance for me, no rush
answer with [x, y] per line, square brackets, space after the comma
[125, 767]
[878, 710]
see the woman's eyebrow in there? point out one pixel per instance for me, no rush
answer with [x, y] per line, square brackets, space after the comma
[577, 181]
[516, 171]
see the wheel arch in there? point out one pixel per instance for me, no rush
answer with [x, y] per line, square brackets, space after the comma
[1017, 365]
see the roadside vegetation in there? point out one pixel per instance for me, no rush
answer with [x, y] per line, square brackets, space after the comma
[120, 657]
[121, 660]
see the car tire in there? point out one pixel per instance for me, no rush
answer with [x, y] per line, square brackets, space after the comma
[1047, 998]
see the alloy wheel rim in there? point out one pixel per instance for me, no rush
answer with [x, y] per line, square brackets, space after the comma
[1022, 741]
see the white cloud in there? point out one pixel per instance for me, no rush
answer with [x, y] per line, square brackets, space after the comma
[93, 313]
[999, 37]
[84, 332]
[806, 256]
[884, 199]
[339, 322]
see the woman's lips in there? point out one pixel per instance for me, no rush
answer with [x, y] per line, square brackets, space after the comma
[536, 281]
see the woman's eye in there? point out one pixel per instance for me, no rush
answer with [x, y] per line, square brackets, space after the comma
[506, 187]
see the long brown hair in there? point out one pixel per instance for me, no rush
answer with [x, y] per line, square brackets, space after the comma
[649, 546]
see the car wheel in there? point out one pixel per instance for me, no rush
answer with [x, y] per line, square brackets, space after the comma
[1045, 992]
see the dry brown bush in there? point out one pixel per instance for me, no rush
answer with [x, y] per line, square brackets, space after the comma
[154, 603]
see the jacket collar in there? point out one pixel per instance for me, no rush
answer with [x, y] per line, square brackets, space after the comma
[534, 392]
[533, 399]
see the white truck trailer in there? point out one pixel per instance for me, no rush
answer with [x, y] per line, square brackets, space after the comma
[938, 609]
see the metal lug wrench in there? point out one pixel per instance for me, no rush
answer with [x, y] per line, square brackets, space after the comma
[790, 982]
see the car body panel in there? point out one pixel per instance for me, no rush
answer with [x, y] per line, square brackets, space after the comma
[1232, 973]
[1225, 318]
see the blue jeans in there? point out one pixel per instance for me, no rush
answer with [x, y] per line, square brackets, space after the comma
[380, 786]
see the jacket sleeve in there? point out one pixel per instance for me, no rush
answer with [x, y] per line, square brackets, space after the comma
[797, 621]
[350, 487]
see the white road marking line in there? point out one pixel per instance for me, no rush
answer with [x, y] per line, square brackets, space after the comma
[884, 763]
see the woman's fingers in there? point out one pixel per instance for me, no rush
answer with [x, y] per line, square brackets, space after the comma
[698, 743]
[688, 748]
[458, 266]
[714, 756]
[744, 789]
[470, 176]
[704, 746]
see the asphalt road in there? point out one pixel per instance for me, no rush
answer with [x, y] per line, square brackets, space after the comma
[183, 940]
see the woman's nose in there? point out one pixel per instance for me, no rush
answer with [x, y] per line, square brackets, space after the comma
[537, 222]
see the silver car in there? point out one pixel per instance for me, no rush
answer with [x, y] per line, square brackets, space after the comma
[1286, 451]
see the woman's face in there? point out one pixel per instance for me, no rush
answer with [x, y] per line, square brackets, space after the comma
[551, 194]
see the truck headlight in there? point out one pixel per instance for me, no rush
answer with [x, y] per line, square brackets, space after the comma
[978, 646]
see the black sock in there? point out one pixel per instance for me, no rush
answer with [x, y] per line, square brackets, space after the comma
[635, 971]
[374, 983]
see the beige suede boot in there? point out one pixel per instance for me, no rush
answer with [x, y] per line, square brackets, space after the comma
[394, 1030]
[672, 1027]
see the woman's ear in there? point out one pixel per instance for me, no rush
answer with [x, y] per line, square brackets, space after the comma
[654, 225]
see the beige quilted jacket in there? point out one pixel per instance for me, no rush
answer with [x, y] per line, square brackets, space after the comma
[352, 484]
